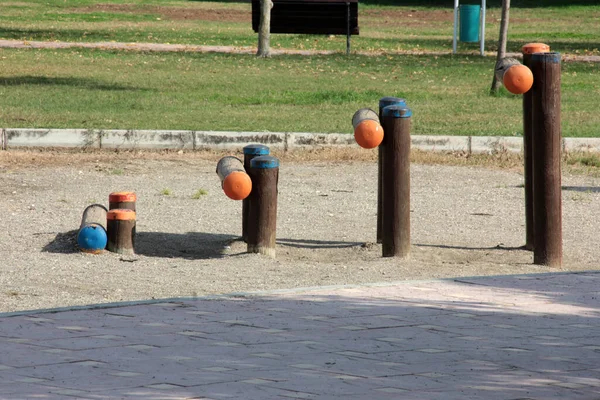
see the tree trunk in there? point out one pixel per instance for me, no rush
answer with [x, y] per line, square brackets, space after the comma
[264, 29]
[501, 42]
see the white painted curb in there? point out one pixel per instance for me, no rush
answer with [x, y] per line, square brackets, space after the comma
[196, 140]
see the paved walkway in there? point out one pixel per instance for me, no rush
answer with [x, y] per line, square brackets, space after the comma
[167, 47]
[517, 337]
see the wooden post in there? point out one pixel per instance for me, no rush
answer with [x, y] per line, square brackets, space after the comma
[547, 147]
[396, 182]
[91, 237]
[121, 231]
[262, 208]
[383, 102]
[251, 151]
[124, 200]
[528, 50]
[234, 180]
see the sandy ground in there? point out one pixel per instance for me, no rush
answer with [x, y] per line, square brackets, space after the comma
[466, 221]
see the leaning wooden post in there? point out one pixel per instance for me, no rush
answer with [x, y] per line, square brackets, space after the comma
[547, 147]
[122, 200]
[383, 102]
[262, 207]
[251, 151]
[396, 182]
[121, 231]
[235, 182]
[528, 50]
[92, 237]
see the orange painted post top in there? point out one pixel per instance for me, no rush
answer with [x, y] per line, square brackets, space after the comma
[122, 200]
[120, 214]
[235, 182]
[531, 48]
[121, 197]
[368, 132]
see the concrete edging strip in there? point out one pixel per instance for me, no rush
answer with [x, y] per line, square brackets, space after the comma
[195, 140]
[264, 293]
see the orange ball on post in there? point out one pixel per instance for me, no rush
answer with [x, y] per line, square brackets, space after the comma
[235, 182]
[368, 132]
[518, 79]
[237, 185]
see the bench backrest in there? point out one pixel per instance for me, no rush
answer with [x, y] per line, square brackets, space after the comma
[319, 17]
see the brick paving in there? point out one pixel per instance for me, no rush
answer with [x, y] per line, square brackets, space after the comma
[512, 337]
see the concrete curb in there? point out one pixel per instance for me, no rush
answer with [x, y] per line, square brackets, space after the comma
[274, 292]
[198, 140]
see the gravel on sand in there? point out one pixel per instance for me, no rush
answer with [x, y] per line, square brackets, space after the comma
[466, 221]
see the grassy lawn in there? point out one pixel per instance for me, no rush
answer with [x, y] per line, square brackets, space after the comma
[129, 90]
[573, 28]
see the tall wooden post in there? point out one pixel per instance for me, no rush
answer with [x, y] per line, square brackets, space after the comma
[547, 147]
[251, 151]
[528, 50]
[396, 182]
[262, 213]
[383, 102]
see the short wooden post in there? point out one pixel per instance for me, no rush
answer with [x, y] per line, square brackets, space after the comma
[92, 237]
[124, 200]
[516, 77]
[383, 102]
[121, 231]
[547, 147]
[234, 180]
[396, 182]
[251, 151]
[262, 207]
[528, 50]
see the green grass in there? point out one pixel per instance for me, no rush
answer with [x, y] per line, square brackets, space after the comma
[198, 194]
[117, 171]
[166, 192]
[127, 90]
[408, 26]
[587, 160]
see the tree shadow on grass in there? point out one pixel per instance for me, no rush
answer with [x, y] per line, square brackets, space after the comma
[191, 245]
[83, 83]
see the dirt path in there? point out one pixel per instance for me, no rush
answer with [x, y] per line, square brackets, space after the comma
[158, 47]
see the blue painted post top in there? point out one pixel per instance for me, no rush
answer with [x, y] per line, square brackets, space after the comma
[256, 149]
[397, 112]
[92, 238]
[391, 101]
[264, 162]
[550, 57]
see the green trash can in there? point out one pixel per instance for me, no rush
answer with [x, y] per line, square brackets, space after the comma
[469, 23]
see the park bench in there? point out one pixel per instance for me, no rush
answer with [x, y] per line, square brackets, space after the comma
[314, 17]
